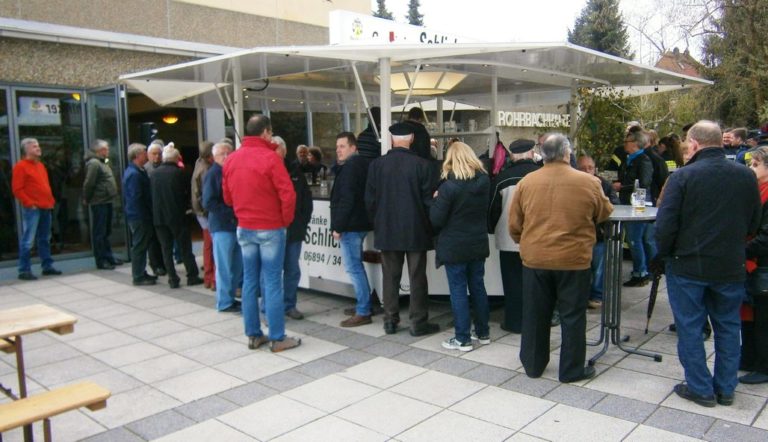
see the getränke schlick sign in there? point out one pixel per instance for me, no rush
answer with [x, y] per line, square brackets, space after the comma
[351, 28]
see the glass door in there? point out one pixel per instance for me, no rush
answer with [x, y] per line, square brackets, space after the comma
[9, 243]
[107, 120]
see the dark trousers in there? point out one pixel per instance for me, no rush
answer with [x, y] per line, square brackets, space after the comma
[155, 253]
[167, 235]
[392, 269]
[142, 233]
[512, 282]
[101, 230]
[754, 338]
[542, 291]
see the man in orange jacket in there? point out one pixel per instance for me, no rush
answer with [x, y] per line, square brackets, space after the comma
[32, 189]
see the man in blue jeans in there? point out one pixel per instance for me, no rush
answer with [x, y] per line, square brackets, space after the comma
[708, 209]
[349, 221]
[222, 224]
[256, 184]
[31, 187]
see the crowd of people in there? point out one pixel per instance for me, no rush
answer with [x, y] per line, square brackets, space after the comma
[545, 206]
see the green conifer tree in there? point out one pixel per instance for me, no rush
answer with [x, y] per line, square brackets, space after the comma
[382, 11]
[601, 27]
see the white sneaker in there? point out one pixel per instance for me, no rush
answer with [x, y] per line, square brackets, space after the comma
[483, 340]
[455, 344]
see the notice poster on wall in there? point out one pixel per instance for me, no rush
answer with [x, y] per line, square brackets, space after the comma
[39, 111]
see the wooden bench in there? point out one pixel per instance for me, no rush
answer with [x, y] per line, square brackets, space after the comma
[51, 403]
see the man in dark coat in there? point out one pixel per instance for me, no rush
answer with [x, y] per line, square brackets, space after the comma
[295, 234]
[421, 145]
[170, 198]
[503, 189]
[349, 222]
[368, 144]
[137, 204]
[709, 207]
[398, 195]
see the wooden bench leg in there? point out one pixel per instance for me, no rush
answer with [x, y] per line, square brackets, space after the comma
[47, 430]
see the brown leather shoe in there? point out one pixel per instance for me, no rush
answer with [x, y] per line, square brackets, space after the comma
[286, 344]
[355, 321]
[255, 342]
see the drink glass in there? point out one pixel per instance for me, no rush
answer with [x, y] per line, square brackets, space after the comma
[638, 200]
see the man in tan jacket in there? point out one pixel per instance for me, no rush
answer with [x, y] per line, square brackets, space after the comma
[553, 216]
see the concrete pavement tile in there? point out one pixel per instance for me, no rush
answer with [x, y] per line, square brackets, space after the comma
[163, 367]
[36, 357]
[437, 388]
[201, 318]
[522, 437]
[116, 435]
[331, 429]
[133, 405]
[311, 349]
[105, 312]
[382, 372]
[489, 375]
[113, 380]
[206, 408]
[160, 424]
[401, 413]
[320, 368]
[331, 393]
[154, 330]
[276, 415]
[256, 365]
[332, 334]
[285, 380]
[644, 387]
[682, 422]
[723, 431]
[211, 430]
[186, 339]
[743, 411]
[248, 393]
[132, 320]
[564, 423]
[501, 407]
[448, 426]
[84, 329]
[450, 365]
[231, 327]
[104, 341]
[498, 355]
[644, 433]
[625, 408]
[418, 357]
[358, 341]
[60, 372]
[386, 349]
[575, 396]
[197, 384]
[349, 357]
[216, 352]
[130, 354]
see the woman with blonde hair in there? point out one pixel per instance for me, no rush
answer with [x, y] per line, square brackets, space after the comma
[459, 217]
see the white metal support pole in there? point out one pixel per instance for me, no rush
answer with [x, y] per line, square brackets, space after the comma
[574, 116]
[345, 123]
[310, 124]
[494, 113]
[386, 103]
[237, 95]
[440, 126]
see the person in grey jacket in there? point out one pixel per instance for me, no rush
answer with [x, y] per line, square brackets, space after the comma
[99, 189]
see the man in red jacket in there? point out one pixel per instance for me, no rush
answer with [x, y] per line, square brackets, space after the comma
[32, 189]
[256, 184]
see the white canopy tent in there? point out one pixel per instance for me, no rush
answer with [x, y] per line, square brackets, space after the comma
[338, 77]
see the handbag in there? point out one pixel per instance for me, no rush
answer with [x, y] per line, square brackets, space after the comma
[757, 282]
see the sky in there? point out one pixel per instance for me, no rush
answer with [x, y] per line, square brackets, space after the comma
[517, 20]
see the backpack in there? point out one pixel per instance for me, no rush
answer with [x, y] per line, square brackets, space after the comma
[660, 173]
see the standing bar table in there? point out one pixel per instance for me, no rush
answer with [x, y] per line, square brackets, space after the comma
[610, 321]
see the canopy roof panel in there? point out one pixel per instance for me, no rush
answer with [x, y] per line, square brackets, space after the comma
[521, 68]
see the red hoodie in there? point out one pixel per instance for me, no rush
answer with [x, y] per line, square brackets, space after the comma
[256, 184]
[30, 185]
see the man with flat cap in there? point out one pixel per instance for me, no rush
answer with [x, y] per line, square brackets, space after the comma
[503, 188]
[398, 196]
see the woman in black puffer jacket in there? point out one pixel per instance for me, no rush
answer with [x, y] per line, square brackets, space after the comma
[459, 217]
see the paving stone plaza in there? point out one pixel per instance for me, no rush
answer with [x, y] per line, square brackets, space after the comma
[180, 371]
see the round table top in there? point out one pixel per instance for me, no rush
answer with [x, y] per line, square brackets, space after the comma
[627, 213]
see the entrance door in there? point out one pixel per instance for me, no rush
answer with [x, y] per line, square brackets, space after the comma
[107, 120]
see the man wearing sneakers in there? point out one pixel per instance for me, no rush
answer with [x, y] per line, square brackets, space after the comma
[349, 222]
[256, 184]
[32, 189]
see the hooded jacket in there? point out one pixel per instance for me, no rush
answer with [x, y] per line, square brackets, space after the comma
[99, 186]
